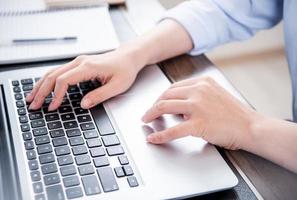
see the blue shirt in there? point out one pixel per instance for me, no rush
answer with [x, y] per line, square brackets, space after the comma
[214, 22]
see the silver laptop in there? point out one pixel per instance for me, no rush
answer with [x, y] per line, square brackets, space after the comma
[99, 153]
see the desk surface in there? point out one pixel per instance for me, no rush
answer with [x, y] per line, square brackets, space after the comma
[270, 180]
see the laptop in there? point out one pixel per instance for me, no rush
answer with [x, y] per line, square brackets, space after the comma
[101, 153]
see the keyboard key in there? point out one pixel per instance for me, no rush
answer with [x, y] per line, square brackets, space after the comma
[76, 141]
[95, 142]
[65, 160]
[78, 150]
[102, 121]
[46, 102]
[74, 192]
[73, 89]
[54, 125]
[35, 176]
[64, 150]
[22, 111]
[83, 159]
[27, 87]
[84, 118]
[51, 179]
[68, 170]
[65, 109]
[33, 164]
[49, 168]
[132, 181]
[86, 170]
[95, 152]
[87, 126]
[91, 134]
[75, 103]
[39, 131]
[128, 170]
[15, 83]
[36, 115]
[18, 96]
[65, 102]
[46, 158]
[45, 148]
[71, 181]
[46, 111]
[16, 89]
[80, 111]
[110, 140]
[20, 104]
[40, 197]
[115, 150]
[101, 161]
[107, 179]
[52, 117]
[91, 185]
[119, 171]
[68, 116]
[73, 132]
[57, 133]
[37, 187]
[42, 140]
[23, 119]
[25, 127]
[70, 124]
[60, 141]
[75, 96]
[27, 81]
[27, 136]
[55, 192]
[123, 160]
[31, 155]
[37, 123]
[29, 145]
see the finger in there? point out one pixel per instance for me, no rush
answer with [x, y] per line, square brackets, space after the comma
[166, 107]
[71, 77]
[47, 85]
[183, 83]
[101, 94]
[180, 93]
[178, 131]
[32, 94]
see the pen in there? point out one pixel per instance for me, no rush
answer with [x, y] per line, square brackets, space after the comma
[70, 38]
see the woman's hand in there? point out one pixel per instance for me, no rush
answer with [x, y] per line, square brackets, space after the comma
[209, 111]
[115, 70]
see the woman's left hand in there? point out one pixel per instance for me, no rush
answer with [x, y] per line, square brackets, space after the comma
[209, 111]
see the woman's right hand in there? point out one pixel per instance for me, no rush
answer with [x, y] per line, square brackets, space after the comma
[115, 70]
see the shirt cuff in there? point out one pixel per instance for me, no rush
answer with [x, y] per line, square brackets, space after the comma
[194, 24]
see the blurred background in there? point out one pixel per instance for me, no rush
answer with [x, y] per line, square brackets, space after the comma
[257, 68]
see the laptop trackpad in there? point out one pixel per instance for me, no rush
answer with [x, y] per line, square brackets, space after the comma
[188, 162]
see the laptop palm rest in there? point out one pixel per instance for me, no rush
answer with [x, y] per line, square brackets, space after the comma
[183, 167]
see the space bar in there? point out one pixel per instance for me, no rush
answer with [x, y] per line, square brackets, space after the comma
[102, 121]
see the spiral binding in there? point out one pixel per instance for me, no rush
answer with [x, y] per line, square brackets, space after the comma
[50, 10]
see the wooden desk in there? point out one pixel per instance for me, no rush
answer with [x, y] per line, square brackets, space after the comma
[270, 180]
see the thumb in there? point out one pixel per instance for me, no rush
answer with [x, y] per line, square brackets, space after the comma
[100, 94]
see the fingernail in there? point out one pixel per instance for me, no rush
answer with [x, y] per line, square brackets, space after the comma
[32, 106]
[86, 103]
[149, 138]
[28, 98]
[51, 107]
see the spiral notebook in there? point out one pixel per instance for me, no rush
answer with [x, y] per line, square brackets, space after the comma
[90, 26]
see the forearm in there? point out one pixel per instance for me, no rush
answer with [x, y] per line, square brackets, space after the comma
[166, 40]
[275, 140]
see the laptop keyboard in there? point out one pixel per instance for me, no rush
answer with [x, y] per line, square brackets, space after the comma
[69, 150]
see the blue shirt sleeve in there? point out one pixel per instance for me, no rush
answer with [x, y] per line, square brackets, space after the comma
[214, 22]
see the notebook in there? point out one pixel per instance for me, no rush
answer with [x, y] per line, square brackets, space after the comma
[91, 26]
